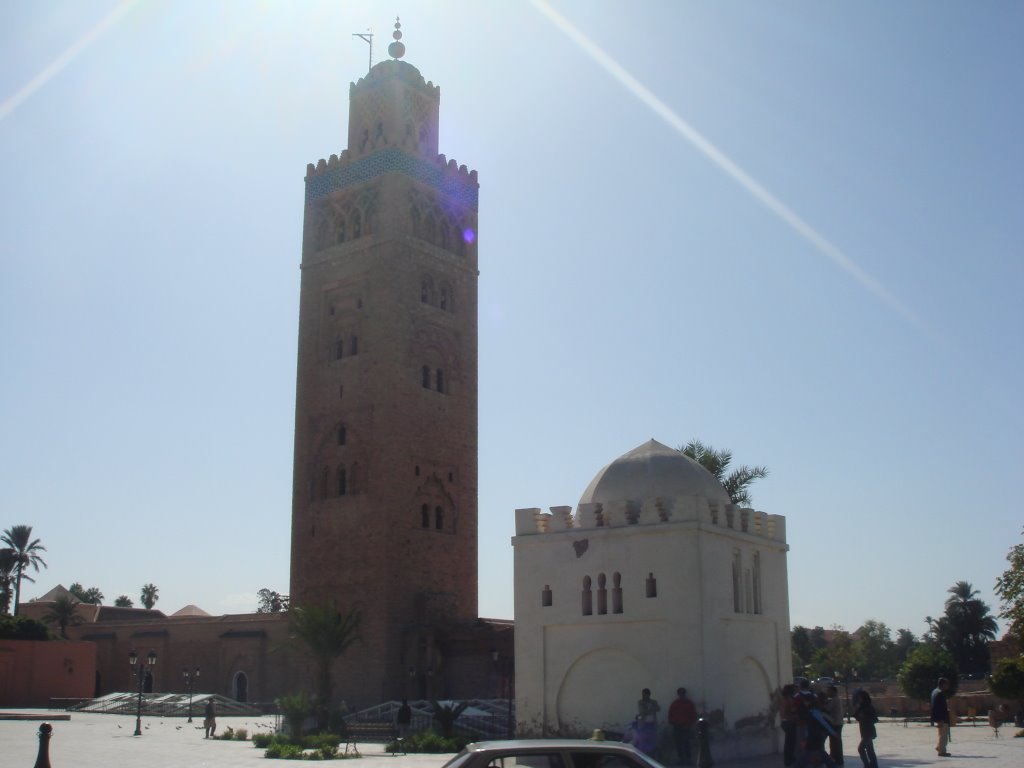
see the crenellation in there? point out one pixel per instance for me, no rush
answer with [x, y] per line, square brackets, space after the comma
[561, 519]
[654, 511]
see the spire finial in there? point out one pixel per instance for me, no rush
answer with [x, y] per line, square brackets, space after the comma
[397, 48]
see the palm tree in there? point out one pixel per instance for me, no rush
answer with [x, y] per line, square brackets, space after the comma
[123, 601]
[149, 595]
[92, 595]
[26, 549]
[63, 612]
[966, 628]
[326, 633]
[8, 564]
[737, 482]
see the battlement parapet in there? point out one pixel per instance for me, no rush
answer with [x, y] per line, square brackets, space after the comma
[456, 181]
[681, 509]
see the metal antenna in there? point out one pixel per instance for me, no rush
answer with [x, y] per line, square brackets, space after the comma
[368, 37]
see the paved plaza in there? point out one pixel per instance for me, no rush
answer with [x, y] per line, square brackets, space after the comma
[95, 741]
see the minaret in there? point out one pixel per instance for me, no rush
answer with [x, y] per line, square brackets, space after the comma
[384, 504]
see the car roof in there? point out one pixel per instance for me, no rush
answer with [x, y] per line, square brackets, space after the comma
[549, 744]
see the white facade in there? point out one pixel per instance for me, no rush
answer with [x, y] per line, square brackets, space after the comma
[656, 582]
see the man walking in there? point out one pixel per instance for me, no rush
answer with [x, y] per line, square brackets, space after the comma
[940, 716]
[682, 716]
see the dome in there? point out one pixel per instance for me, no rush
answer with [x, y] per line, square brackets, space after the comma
[653, 470]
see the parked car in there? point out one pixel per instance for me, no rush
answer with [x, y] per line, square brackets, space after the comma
[551, 753]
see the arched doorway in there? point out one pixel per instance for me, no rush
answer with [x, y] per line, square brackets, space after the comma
[240, 687]
[147, 682]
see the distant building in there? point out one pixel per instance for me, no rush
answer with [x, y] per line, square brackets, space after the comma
[657, 581]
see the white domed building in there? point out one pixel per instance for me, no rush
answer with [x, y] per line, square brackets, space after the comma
[657, 581]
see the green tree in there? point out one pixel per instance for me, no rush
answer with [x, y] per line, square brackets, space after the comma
[26, 549]
[1010, 588]
[63, 612]
[92, 595]
[271, 602]
[326, 634]
[8, 566]
[22, 628]
[149, 595]
[838, 656]
[966, 628]
[803, 649]
[737, 482]
[922, 669]
[123, 601]
[875, 651]
[1007, 680]
[905, 643]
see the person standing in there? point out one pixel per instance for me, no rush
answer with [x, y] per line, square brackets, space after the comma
[404, 719]
[834, 715]
[864, 713]
[209, 719]
[787, 719]
[682, 716]
[940, 716]
[647, 722]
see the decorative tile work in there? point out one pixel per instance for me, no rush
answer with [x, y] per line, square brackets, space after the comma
[453, 187]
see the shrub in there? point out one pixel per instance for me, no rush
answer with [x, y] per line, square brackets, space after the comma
[241, 735]
[228, 734]
[295, 707]
[429, 742]
[262, 740]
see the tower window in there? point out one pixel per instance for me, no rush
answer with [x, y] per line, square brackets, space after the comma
[439, 518]
[339, 349]
[426, 377]
[354, 346]
[588, 608]
[440, 381]
[545, 596]
[616, 593]
[425, 516]
[602, 595]
[342, 481]
[341, 434]
[651, 585]
[451, 477]
[417, 470]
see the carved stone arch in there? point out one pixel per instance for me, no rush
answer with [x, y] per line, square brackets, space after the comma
[435, 350]
[433, 494]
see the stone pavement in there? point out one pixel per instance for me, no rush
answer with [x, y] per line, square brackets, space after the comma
[94, 740]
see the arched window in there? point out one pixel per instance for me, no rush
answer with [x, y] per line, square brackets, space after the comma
[357, 224]
[616, 592]
[341, 230]
[342, 481]
[426, 377]
[341, 434]
[439, 518]
[339, 349]
[440, 381]
[425, 516]
[602, 595]
[588, 608]
[241, 687]
[545, 596]
[651, 585]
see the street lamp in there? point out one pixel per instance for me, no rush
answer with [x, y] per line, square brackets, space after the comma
[133, 661]
[190, 681]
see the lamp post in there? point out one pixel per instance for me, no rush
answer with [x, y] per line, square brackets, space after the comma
[133, 661]
[190, 681]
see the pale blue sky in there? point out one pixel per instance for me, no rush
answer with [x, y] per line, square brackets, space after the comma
[793, 229]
